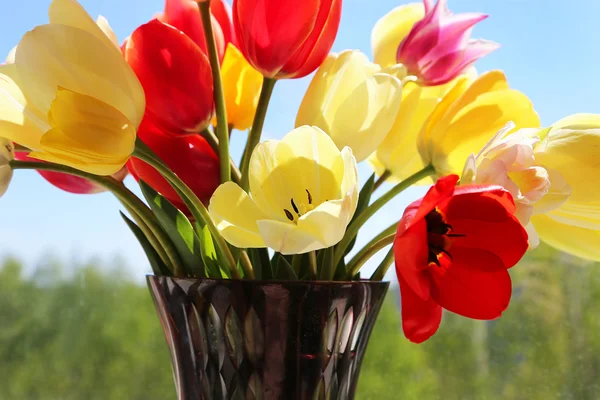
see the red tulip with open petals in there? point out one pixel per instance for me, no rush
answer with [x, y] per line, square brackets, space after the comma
[71, 183]
[189, 156]
[286, 38]
[453, 249]
[175, 74]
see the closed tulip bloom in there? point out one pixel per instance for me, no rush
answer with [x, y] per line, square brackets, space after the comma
[468, 116]
[453, 249]
[70, 96]
[303, 193]
[570, 149]
[439, 48]
[353, 100]
[241, 86]
[175, 74]
[286, 38]
[189, 156]
[7, 154]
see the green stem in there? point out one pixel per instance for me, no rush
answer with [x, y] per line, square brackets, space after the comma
[246, 265]
[257, 127]
[198, 210]
[213, 56]
[363, 217]
[213, 142]
[388, 231]
[357, 262]
[297, 263]
[380, 272]
[312, 263]
[142, 214]
[386, 174]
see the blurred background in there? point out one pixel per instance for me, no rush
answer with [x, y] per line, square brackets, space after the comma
[76, 321]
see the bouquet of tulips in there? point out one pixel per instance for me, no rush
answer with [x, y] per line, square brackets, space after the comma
[83, 110]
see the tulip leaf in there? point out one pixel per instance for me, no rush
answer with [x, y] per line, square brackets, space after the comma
[260, 262]
[178, 228]
[158, 266]
[325, 264]
[209, 256]
[283, 269]
[364, 198]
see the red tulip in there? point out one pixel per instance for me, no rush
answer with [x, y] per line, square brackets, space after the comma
[452, 251]
[185, 16]
[286, 38]
[70, 183]
[175, 74]
[189, 156]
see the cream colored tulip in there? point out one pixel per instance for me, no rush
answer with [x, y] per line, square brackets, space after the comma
[303, 193]
[70, 96]
[353, 100]
[468, 116]
[7, 154]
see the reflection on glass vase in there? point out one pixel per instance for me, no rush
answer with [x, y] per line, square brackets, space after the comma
[244, 339]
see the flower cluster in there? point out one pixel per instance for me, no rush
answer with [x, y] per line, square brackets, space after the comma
[85, 110]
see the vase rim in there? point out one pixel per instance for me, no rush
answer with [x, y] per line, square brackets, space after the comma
[275, 281]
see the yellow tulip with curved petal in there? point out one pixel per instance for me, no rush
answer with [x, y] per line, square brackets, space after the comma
[353, 100]
[69, 95]
[7, 154]
[468, 116]
[303, 193]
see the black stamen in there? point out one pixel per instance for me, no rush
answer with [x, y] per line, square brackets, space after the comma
[294, 207]
[446, 253]
[309, 196]
[456, 235]
[289, 215]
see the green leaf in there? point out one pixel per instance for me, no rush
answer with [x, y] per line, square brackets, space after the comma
[178, 228]
[158, 267]
[284, 269]
[261, 263]
[209, 256]
[325, 264]
[364, 198]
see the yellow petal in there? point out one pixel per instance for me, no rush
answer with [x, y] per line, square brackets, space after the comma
[241, 85]
[87, 134]
[236, 216]
[103, 24]
[328, 221]
[570, 239]
[350, 180]
[391, 29]
[558, 193]
[7, 154]
[53, 56]
[287, 238]
[19, 121]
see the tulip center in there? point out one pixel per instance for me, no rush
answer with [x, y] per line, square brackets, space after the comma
[439, 237]
[299, 207]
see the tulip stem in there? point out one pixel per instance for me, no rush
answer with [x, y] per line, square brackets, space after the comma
[212, 140]
[246, 265]
[257, 127]
[380, 272]
[364, 251]
[357, 262]
[363, 217]
[142, 215]
[198, 210]
[219, 96]
[312, 263]
[386, 174]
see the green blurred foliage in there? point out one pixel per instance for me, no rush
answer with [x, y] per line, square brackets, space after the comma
[93, 334]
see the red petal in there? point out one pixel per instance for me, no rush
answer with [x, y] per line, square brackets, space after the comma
[175, 74]
[437, 196]
[487, 220]
[420, 318]
[476, 285]
[222, 13]
[411, 257]
[189, 156]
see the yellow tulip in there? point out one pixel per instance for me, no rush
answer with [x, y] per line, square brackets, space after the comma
[70, 96]
[580, 242]
[468, 116]
[241, 85]
[353, 100]
[303, 193]
[7, 154]
[391, 29]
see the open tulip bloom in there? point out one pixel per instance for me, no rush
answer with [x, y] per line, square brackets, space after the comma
[84, 111]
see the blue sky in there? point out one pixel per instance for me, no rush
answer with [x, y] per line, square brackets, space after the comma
[549, 51]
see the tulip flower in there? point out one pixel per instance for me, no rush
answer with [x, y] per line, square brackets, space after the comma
[7, 154]
[70, 96]
[303, 193]
[453, 249]
[569, 149]
[175, 74]
[185, 16]
[70, 183]
[438, 48]
[241, 86]
[353, 101]
[468, 116]
[189, 156]
[285, 38]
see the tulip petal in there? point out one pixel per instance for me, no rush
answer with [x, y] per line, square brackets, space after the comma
[328, 221]
[7, 154]
[580, 242]
[411, 255]
[236, 216]
[420, 318]
[476, 285]
[287, 237]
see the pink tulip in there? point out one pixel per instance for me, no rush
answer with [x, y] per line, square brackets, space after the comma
[439, 47]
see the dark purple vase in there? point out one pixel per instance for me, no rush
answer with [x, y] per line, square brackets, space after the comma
[266, 340]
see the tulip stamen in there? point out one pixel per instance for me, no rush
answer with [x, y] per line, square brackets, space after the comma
[289, 215]
[309, 196]
[439, 237]
[294, 207]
